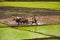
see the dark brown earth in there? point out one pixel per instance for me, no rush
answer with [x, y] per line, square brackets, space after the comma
[8, 11]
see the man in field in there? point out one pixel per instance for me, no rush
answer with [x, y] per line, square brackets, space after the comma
[34, 20]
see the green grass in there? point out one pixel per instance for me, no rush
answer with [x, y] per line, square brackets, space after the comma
[29, 32]
[14, 34]
[8, 33]
[3, 25]
[49, 5]
[47, 29]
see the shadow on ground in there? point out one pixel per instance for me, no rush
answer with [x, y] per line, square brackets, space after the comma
[49, 38]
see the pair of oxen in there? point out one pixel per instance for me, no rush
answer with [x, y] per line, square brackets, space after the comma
[22, 21]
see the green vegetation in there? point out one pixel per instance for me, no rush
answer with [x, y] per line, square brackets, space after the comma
[46, 29]
[29, 32]
[14, 34]
[49, 5]
[7, 33]
[29, 0]
[3, 25]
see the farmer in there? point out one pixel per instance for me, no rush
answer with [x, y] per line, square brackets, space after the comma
[34, 20]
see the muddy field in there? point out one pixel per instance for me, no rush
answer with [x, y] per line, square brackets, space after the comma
[43, 16]
[40, 20]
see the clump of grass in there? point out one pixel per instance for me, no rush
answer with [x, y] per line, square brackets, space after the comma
[3, 25]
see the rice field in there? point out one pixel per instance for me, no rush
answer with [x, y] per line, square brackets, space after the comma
[29, 32]
[40, 4]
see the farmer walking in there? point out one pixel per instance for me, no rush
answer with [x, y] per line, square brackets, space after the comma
[34, 20]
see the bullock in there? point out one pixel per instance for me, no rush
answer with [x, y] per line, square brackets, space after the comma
[21, 20]
[17, 20]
